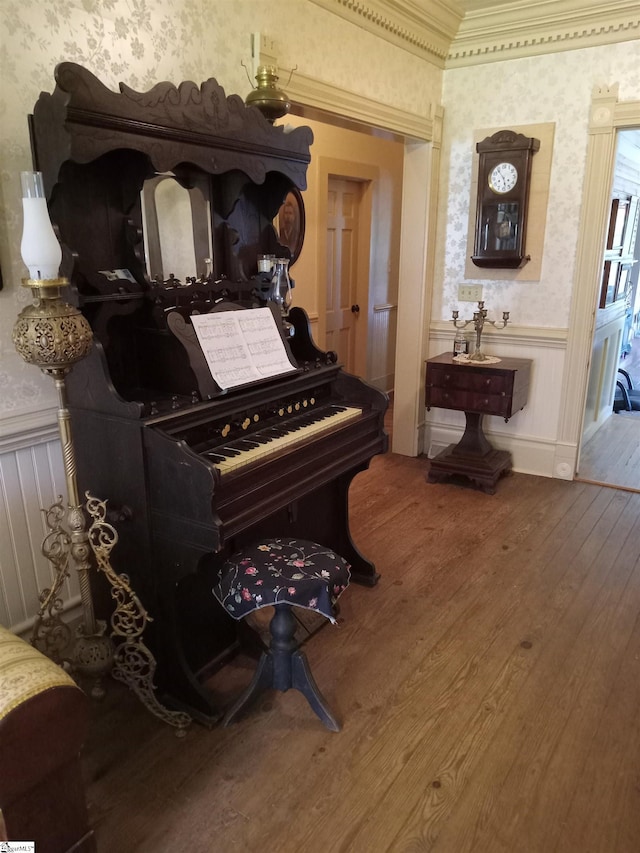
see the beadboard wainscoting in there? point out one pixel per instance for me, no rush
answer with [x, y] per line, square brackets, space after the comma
[31, 478]
[382, 346]
[605, 357]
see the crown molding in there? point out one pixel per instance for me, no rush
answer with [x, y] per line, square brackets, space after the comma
[514, 30]
[404, 23]
[440, 31]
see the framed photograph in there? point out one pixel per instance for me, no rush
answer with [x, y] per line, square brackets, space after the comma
[290, 223]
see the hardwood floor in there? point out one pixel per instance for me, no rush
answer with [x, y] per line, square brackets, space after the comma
[489, 689]
[612, 455]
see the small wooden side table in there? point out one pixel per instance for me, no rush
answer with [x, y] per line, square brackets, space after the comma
[477, 389]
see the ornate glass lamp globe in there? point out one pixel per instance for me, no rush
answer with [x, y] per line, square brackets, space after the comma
[48, 333]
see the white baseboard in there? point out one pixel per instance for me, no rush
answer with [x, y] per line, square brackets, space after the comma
[565, 461]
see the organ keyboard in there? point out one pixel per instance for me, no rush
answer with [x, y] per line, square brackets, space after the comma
[288, 434]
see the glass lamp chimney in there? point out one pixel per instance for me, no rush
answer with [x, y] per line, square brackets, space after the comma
[39, 248]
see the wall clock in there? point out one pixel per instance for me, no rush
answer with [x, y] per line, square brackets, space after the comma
[504, 177]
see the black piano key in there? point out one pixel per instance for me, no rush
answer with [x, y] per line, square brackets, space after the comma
[278, 431]
[214, 457]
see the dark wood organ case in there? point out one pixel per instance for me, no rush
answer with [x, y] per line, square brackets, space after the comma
[120, 170]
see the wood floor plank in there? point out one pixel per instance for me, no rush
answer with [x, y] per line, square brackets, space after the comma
[612, 454]
[604, 813]
[502, 631]
[518, 769]
[454, 725]
[590, 674]
[364, 650]
[393, 744]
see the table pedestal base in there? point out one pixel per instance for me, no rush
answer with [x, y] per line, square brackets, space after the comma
[473, 457]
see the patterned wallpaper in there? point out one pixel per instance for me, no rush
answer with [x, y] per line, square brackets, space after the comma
[142, 42]
[554, 88]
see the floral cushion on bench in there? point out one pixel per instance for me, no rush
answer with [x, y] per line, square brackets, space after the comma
[276, 571]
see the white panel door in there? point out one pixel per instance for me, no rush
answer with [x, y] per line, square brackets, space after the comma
[342, 269]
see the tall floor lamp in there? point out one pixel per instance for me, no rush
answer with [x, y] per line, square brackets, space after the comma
[54, 335]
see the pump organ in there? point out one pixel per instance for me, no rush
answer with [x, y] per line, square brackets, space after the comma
[190, 472]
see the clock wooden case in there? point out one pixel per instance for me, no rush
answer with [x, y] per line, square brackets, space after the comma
[504, 178]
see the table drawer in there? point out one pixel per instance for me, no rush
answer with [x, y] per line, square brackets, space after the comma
[469, 401]
[470, 379]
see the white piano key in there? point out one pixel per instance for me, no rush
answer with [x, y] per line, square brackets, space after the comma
[285, 442]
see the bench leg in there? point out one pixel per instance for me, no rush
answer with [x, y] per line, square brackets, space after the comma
[284, 667]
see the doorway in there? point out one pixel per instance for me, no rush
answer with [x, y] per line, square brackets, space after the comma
[608, 454]
[349, 243]
[408, 306]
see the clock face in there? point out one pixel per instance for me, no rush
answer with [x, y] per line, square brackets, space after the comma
[503, 178]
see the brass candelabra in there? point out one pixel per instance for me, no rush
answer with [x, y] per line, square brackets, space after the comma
[479, 320]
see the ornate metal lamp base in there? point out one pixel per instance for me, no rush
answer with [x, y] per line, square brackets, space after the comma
[50, 634]
[133, 662]
[89, 654]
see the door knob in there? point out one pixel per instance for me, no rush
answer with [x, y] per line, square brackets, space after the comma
[355, 309]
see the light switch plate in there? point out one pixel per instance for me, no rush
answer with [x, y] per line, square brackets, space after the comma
[469, 293]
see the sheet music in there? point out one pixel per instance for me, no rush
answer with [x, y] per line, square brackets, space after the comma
[241, 346]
